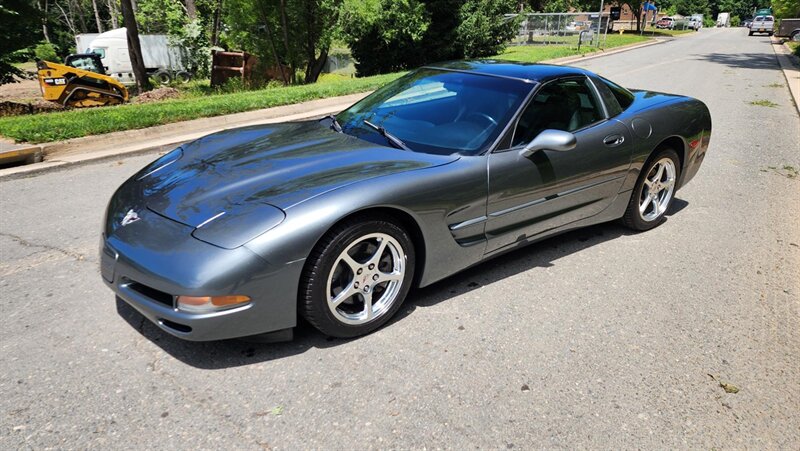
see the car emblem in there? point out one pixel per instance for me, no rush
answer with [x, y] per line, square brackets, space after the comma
[130, 218]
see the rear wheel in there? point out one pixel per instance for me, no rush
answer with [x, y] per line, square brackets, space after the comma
[183, 77]
[357, 277]
[654, 191]
[162, 77]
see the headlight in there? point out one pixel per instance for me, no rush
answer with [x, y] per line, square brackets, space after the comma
[208, 304]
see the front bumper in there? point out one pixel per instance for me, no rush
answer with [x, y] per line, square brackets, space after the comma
[150, 262]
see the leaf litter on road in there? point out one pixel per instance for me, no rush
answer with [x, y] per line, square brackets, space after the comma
[728, 387]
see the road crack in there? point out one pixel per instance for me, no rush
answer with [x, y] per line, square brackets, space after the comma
[29, 244]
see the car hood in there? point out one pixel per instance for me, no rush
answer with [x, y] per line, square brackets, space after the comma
[278, 164]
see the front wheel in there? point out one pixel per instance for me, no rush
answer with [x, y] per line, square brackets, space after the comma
[357, 277]
[654, 191]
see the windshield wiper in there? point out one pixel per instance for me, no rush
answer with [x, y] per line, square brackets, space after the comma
[393, 140]
[334, 123]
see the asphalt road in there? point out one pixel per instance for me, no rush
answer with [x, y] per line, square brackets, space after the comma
[595, 339]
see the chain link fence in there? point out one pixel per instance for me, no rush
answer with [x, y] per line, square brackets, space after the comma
[573, 29]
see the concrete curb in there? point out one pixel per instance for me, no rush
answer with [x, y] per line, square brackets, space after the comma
[600, 53]
[97, 148]
[790, 70]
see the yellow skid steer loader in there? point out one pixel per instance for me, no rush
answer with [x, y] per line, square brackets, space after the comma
[80, 82]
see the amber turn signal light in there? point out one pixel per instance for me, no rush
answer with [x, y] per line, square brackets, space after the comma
[203, 304]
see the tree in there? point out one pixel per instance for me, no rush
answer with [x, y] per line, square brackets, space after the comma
[97, 17]
[20, 29]
[483, 30]
[386, 35]
[135, 47]
[786, 8]
[191, 9]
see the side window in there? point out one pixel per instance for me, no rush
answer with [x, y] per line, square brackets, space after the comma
[624, 97]
[566, 105]
[612, 104]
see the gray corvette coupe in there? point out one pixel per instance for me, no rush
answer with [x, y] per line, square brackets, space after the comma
[241, 232]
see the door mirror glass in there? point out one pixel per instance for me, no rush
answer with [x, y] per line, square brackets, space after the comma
[557, 140]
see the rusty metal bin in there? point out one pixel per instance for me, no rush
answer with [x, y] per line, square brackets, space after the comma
[227, 65]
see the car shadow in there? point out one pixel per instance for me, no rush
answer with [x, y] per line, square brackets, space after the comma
[234, 353]
[743, 60]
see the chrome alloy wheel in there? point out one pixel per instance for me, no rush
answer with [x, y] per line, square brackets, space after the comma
[366, 279]
[659, 185]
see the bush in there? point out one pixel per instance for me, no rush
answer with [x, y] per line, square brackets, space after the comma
[709, 22]
[46, 51]
[735, 21]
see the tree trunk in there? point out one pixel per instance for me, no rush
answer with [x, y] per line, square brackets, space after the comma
[215, 26]
[191, 9]
[43, 7]
[285, 28]
[313, 70]
[113, 12]
[271, 39]
[81, 20]
[135, 47]
[97, 17]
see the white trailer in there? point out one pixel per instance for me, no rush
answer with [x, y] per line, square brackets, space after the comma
[162, 61]
[724, 20]
[83, 41]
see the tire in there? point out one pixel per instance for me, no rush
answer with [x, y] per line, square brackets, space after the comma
[795, 36]
[750, 33]
[183, 77]
[346, 261]
[162, 77]
[653, 213]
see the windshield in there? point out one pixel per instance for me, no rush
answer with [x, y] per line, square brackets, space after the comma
[438, 111]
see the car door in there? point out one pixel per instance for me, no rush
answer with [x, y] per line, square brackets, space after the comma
[531, 195]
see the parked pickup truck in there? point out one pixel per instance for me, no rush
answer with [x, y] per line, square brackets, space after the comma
[762, 24]
[789, 28]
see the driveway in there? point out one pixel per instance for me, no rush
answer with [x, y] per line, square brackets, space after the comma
[599, 338]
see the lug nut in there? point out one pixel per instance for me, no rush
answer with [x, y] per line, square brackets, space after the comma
[359, 271]
[371, 266]
[366, 288]
[375, 277]
[355, 285]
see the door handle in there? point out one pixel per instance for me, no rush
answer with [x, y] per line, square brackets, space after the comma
[613, 140]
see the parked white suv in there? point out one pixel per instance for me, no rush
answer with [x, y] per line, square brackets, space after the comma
[762, 24]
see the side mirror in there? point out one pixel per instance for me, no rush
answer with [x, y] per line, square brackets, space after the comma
[550, 139]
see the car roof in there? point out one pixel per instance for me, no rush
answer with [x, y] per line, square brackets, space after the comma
[528, 72]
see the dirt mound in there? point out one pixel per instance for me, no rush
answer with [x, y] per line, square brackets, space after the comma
[18, 108]
[157, 95]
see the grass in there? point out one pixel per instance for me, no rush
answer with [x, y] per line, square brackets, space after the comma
[536, 53]
[794, 47]
[763, 102]
[93, 121]
[198, 100]
[773, 85]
